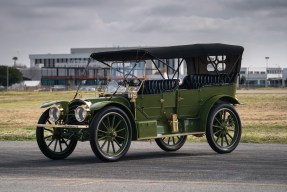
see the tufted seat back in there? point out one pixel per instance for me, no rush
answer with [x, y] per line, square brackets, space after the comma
[197, 81]
[158, 86]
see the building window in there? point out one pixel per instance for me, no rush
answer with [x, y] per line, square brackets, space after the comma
[62, 72]
[71, 72]
[45, 63]
[262, 82]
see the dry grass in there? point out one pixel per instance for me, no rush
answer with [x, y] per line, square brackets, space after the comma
[19, 112]
[263, 116]
[263, 109]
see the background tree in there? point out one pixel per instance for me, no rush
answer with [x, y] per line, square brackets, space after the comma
[15, 76]
[242, 80]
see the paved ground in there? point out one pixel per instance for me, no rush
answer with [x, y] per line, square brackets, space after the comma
[195, 167]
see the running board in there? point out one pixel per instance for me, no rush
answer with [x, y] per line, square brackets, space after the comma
[64, 126]
[171, 135]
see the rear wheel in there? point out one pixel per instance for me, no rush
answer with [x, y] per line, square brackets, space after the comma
[171, 143]
[110, 134]
[223, 131]
[55, 143]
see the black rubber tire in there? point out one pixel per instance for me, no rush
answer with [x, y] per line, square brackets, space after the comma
[176, 143]
[221, 127]
[117, 135]
[45, 148]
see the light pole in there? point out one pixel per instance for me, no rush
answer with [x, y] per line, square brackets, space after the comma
[248, 80]
[15, 59]
[7, 77]
[266, 81]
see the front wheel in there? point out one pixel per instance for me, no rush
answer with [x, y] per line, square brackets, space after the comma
[55, 143]
[223, 131]
[110, 134]
[171, 143]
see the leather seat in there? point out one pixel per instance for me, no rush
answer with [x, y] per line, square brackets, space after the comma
[200, 80]
[159, 86]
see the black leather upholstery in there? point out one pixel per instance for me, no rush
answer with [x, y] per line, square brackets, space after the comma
[197, 81]
[158, 86]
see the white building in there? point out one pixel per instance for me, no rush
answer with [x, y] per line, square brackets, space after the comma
[68, 69]
[260, 77]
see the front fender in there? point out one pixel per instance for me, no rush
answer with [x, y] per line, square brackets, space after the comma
[99, 105]
[207, 106]
[48, 104]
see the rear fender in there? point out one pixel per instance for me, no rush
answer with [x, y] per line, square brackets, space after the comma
[207, 106]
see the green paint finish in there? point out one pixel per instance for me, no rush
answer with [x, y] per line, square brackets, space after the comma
[210, 91]
[191, 105]
[188, 103]
[206, 107]
[169, 104]
[147, 128]
[169, 99]
[164, 127]
[98, 103]
[150, 106]
[189, 125]
[48, 104]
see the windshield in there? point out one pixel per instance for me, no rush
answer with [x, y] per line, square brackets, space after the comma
[125, 75]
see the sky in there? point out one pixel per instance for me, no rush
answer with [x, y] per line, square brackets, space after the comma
[55, 26]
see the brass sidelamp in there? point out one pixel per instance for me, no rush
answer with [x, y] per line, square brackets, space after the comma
[174, 122]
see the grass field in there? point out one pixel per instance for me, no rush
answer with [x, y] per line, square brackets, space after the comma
[263, 116]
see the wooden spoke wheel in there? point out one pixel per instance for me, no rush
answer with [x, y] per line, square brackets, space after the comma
[110, 134]
[223, 131]
[55, 143]
[171, 143]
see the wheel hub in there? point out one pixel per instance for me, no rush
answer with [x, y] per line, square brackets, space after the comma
[111, 134]
[57, 134]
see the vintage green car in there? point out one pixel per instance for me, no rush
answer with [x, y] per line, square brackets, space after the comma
[147, 98]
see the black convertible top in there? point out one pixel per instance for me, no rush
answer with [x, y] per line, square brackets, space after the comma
[180, 51]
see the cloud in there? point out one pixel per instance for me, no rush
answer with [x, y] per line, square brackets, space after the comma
[41, 26]
[256, 5]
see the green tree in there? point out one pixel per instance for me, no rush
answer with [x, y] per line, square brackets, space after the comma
[242, 80]
[15, 76]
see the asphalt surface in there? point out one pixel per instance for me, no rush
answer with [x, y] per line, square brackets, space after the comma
[195, 167]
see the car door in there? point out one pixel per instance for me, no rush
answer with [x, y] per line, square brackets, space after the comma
[188, 103]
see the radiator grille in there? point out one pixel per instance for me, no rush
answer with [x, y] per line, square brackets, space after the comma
[71, 113]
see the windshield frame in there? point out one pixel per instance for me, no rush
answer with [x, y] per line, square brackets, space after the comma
[127, 79]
